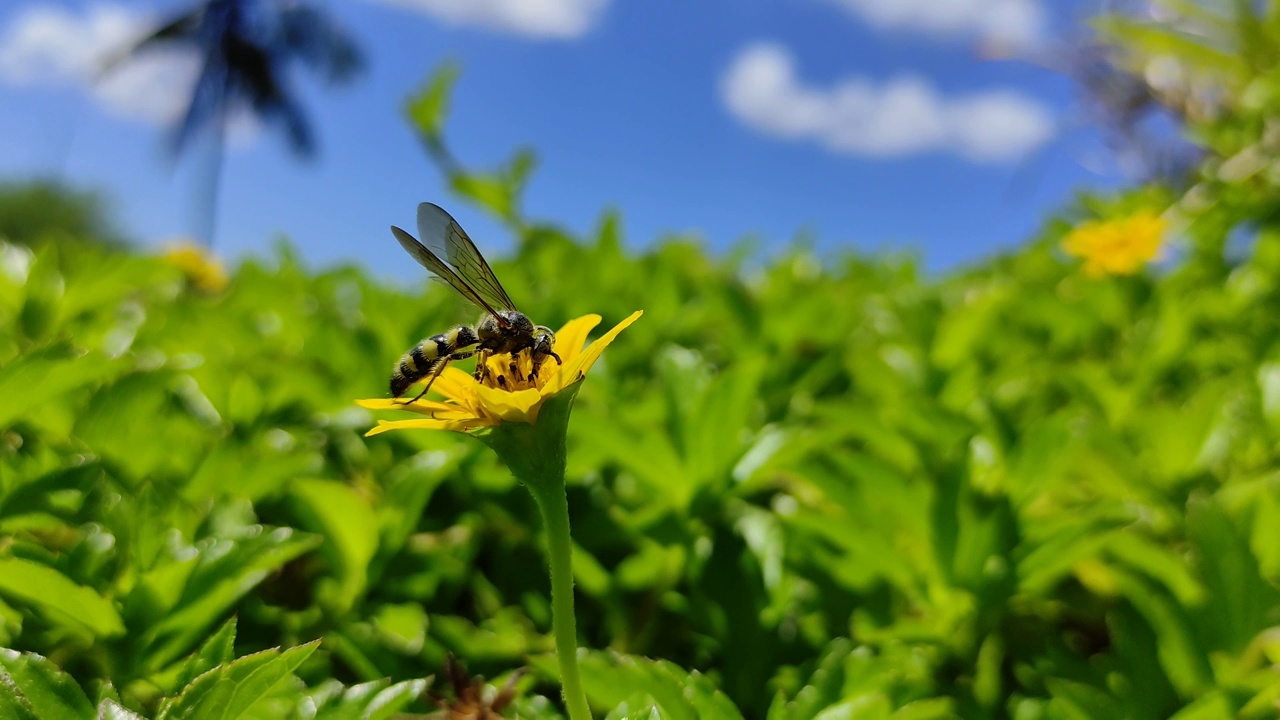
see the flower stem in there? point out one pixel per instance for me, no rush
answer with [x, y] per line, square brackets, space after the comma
[536, 456]
[554, 507]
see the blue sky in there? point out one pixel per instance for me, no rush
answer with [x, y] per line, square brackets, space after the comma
[867, 124]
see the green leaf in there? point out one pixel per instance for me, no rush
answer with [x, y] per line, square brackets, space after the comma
[226, 570]
[228, 691]
[490, 191]
[31, 683]
[137, 424]
[38, 494]
[649, 457]
[59, 598]
[872, 706]
[1179, 650]
[590, 577]
[218, 649]
[1054, 558]
[371, 701]
[1159, 564]
[429, 107]
[44, 376]
[408, 487]
[822, 689]
[109, 709]
[929, 709]
[1241, 603]
[614, 681]
[13, 704]
[1075, 700]
[722, 422]
[1154, 40]
[340, 515]
[403, 626]
[1212, 706]
[256, 684]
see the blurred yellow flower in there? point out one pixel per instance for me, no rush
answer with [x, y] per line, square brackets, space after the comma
[512, 389]
[1119, 246]
[202, 268]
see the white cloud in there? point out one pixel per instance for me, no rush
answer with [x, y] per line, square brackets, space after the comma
[1014, 24]
[856, 117]
[49, 45]
[553, 19]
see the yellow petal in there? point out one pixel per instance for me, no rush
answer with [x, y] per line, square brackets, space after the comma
[1119, 245]
[509, 406]
[377, 404]
[454, 412]
[424, 407]
[203, 269]
[573, 371]
[429, 424]
[456, 385]
[497, 364]
[573, 336]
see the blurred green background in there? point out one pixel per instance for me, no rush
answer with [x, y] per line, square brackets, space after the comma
[800, 488]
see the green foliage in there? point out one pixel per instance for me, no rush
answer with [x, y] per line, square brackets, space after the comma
[633, 686]
[1009, 491]
[808, 488]
[214, 685]
[497, 191]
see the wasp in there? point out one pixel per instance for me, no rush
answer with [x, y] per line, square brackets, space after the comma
[502, 328]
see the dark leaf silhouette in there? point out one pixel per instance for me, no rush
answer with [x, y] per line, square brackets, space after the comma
[247, 48]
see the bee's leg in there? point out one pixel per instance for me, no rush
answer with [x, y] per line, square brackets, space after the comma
[482, 366]
[484, 376]
[540, 358]
[435, 373]
[438, 368]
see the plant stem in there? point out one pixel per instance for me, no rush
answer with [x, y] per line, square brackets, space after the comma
[536, 455]
[554, 506]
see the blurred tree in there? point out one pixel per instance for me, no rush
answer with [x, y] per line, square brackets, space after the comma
[34, 212]
[1213, 68]
[1143, 132]
[247, 47]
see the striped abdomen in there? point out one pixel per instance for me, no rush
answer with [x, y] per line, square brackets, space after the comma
[424, 358]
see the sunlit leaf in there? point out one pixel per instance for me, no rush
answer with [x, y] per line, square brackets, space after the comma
[42, 377]
[429, 107]
[229, 690]
[227, 569]
[614, 681]
[344, 518]
[32, 686]
[60, 598]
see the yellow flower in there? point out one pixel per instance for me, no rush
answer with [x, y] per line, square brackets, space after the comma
[522, 413]
[504, 395]
[202, 269]
[1117, 247]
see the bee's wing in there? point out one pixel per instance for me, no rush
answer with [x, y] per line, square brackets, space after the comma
[446, 238]
[430, 261]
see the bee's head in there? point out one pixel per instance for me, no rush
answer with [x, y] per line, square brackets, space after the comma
[544, 341]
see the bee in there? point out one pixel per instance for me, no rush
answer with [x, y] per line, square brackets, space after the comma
[502, 328]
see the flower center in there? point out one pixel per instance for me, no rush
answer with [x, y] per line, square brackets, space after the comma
[514, 371]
